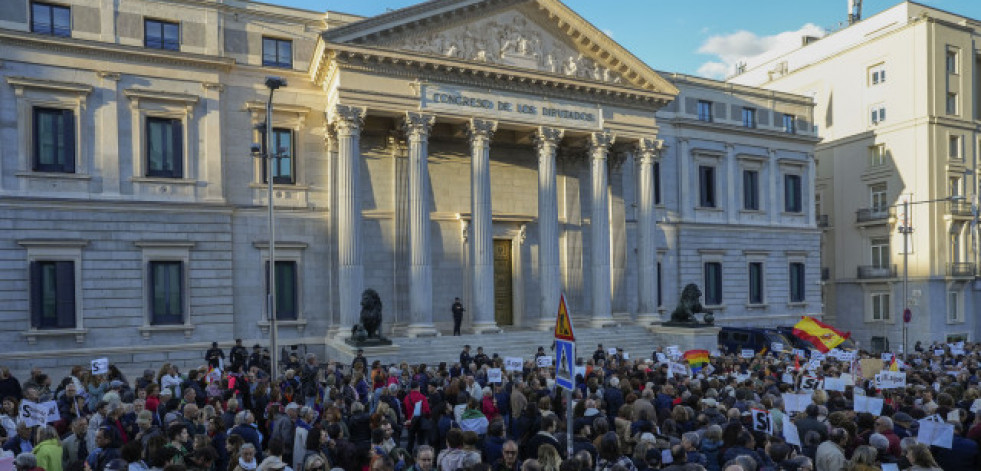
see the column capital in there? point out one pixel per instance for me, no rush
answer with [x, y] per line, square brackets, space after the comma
[600, 142]
[648, 149]
[418, 124]
[546, 136]
[730, 147]
[347, 119]
[481, 129]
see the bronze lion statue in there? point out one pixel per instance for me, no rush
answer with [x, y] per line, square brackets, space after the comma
[371, 314]
[689, 305]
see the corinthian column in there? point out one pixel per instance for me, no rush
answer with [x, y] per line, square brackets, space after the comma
[646, 220]
[347, 121]
[481, 132]
[547, 141]
[599, 148]
[417, 126]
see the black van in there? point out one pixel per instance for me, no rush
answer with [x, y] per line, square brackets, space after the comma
[848, 345]
[736, 339]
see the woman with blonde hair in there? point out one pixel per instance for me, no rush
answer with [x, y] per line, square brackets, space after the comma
[548, 458]
[863, 459]
[48, 449]
[920, 457]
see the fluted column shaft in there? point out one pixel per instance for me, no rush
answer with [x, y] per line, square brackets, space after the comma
[647, 224]
[347, 121]
[547, 142]
[417, 127]
[599, 148]
[481, 132]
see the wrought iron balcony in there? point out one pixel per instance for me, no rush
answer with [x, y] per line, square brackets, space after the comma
[959, 208]
[823, 220]
[965, 269]
[866, 272]
[872, 215]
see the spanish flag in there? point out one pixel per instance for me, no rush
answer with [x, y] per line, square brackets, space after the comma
[696, 359]
[822, 335]
[894, 364]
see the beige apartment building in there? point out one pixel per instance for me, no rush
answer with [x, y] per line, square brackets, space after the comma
[898, 106]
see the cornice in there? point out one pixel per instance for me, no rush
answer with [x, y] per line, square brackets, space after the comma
[51, 85]
[145, 94]
[423, 66]
[682, 123]
[104, 51]
[256, 106]
[400, 18]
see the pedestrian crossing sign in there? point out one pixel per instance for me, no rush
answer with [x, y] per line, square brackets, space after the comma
[563, 324]
[565, 364]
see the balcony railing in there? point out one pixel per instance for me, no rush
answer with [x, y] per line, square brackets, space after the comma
[871, 214]
[823, 220]
[870, 272]
[960, 269]
[959, 208]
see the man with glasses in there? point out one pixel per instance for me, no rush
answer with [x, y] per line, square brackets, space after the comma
[509, 461]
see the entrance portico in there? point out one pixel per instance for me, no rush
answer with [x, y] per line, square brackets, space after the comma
[505, 115]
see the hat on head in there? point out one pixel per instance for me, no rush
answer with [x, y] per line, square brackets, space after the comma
[170, 417]
[902, 418]
[115, 384]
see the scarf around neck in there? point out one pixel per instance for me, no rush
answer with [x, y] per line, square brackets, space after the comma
[247, 466]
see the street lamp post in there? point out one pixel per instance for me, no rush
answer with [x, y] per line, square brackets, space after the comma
[906, 229]
[273, 84]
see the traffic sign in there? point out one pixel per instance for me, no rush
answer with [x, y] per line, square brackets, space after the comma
[907, 315]
[565, 363]
[563, 324]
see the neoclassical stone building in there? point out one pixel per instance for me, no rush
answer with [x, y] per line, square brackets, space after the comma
[500, 151]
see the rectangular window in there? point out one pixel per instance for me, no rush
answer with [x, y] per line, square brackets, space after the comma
[54, 140]
[166, 293]
[953, 311]
[713, 283]
[53, 294]
[657, 182]
[756, 283]
[792, 194]
[955, 248]
[880, 307]
[277, 52]
[954, 147]
[877, 74]
[878, 198]
[660, 300]
[286, 289]
[706, 186]
[877, 155]
[951, 103]
[880, 253]
[878, 113]
[797, 288]
[705, 110]
[789, 124]
[954, 186]
[55, 20]
[751, 190]
[953, 64]
[282, 156]
[164, 148]
[749, 117]
[161, 35]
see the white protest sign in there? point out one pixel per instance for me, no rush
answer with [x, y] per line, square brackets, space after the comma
[939, 352]
[708, 369]
[580, 371]
[544, 361]
[611, 351]
[796, 402]
[872, 405]
[776, 347]
[740, 377]
[886, 357]
[626, 356]
[813, 365]
[661, 358]
[790, 433]
[672, 349]
[748, 353]
[678, 369]
[816, 355]
[800, 353]
[834, 384]
[512, 363]
[213, 376]
[810, 383]
[934, 432]
[787, 378]
[890, 380]
[848, 379]
[100, 366]
[494, 375]
[32, 413]
[762, 422]
[976, 406]
[889, 466]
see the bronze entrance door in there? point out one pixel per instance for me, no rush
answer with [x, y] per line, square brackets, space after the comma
[503, 301]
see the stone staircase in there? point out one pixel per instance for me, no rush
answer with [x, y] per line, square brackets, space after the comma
[636, 341]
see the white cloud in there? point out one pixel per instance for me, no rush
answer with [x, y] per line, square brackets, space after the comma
[746, 46]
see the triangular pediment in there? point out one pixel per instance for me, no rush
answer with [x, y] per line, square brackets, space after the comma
[543, 36]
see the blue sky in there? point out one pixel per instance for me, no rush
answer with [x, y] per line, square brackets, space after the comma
[698, 37]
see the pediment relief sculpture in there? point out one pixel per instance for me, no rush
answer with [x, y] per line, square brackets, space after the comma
[510, 39]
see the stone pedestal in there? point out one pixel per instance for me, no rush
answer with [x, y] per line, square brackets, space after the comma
[686, 338]
[338, 349]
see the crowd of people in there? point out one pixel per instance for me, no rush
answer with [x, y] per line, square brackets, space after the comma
[628, 415]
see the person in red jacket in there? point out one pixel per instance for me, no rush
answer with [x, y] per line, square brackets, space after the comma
[416, 413]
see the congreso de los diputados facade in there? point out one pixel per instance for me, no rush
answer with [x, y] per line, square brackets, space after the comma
[504, 152]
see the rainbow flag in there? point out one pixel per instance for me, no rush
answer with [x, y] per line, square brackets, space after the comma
[696, 359]
[822, 335]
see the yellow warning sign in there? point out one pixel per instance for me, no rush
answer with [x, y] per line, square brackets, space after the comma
[563, 324]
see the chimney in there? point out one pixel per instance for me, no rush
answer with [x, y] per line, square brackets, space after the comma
[854, 11]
